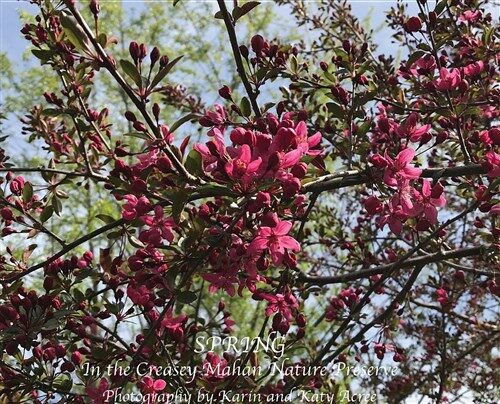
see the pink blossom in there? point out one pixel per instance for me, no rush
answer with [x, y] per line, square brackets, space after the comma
[470, 16]
[242, 166]
[448, 79]
[410, 128]
[160, 228]
[430, 199]
[424, 65]
[307, 144]
[96, 393]
[372, 205]
[493, 164]
[279, 303]
[495, 210]
[442, 296]
[139, 295]
[135, 207]
[474, 69]
[150, 385]
[400, 169]
[224, 280]
[174, 325]
[17, 185]
[214, 367]
[214, 118]
[395, 217]
[275, 239]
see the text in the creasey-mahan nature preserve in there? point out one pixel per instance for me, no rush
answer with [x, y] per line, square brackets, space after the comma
[279, 367]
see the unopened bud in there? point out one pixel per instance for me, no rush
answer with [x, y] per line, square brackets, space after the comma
[94, 7]
[134, 50]
[225, 92]
[154, 56]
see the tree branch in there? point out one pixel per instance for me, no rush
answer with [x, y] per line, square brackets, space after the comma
[237, 57]
[350, 178]
[365, 273]
[119, 79]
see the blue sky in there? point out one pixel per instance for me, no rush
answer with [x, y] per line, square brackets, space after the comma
[12, 42]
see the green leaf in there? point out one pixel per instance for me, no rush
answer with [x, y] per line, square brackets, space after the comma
[414, 56]
[102, 39]
[425, 47]
[440, 6]
[335, 109]
[215, 190]
[74, 32]
[63, 382]
[140, 135]
[182, 121]
[43, 54]
[105, 218]
[186, 297]
[131, 71]
[245, 107]
[163, 72]
[52, 324]
[193, 163]
[27, 192]
[46, 213]
[57, 205]
[179, 200]
[294, 64]
[239, 12]
[136, 242]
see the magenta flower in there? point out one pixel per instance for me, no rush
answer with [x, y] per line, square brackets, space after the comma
[431, 198]
[97, 392]
[17, 185]
[493, 164]
[448, 79]
[394, 218]
[275, 239]
[279, 303]
[424, 65]
[474, 69]
[160, 228]
[173, 325]
[242, 166]
[442, 296]
[399, 170]
[150, 385]
[410, 128]
[372, 205]
[225, 280]
[135, 207]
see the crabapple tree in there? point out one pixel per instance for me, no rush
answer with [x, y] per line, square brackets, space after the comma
[339, 200]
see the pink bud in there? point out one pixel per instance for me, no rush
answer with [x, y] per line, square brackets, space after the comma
[413, 24]
[257, 43]
[154, 56]
[372, 205]
[134, 51]
[94, 7]
[76, 358]
[225, 92]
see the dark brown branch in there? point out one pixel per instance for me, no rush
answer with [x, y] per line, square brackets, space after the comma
[53, 171]
[365, 273]
[108, 64]
[237, 57]
[334, 181]
[366, 297]
[206, 193]
[382, 317]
